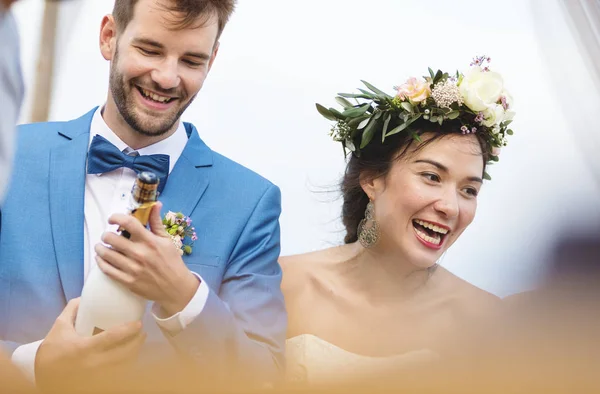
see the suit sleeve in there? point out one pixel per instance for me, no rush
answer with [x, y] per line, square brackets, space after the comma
[243, 327]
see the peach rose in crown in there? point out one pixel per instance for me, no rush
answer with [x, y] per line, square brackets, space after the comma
[413, 90]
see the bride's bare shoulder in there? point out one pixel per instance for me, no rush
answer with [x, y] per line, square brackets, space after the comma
[293, 261]
[301, 272]
[298, 268]
[304, 277]
[467, 298]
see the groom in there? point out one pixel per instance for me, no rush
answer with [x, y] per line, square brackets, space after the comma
[219, 307]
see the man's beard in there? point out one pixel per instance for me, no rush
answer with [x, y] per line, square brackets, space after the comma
[125, 104]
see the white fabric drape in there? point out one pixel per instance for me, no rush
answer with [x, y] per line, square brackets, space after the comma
[569, 36]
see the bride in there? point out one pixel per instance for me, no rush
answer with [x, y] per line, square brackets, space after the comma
[380, 302]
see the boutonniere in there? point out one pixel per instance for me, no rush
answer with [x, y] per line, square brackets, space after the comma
[182, 233]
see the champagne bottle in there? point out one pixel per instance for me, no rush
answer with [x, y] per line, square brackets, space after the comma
[106, 303]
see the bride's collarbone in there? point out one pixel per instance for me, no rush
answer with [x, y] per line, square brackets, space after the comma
[353, 304]
[360, 328]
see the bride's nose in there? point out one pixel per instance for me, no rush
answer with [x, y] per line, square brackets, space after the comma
[447, 204]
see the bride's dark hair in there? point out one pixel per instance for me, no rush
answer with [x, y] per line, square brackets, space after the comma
[375, 161]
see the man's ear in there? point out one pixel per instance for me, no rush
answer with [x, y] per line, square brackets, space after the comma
[214, 55]
[108, 37]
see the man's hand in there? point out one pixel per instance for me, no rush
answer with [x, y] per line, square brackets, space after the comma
[64, 354]
[148, 263]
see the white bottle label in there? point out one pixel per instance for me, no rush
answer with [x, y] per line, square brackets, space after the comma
[106, 303]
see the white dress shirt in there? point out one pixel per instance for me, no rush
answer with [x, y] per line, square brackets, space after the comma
[106, 194]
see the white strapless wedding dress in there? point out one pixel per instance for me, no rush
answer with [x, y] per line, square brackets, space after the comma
[312, 360]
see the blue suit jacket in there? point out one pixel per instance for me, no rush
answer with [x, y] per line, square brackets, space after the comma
[235, 213]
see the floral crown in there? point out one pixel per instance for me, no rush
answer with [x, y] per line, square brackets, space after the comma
[475, 102]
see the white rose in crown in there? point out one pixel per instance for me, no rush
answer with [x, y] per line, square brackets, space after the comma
[499, 112]
[493, 115]
[509, 114]
[481, 89]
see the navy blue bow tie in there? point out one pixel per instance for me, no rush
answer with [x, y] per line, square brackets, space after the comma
[105, 157]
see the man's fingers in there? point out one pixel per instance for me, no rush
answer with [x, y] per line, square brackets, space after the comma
[130, 349]
[129, 223]
[113, 272]
[69, 314]
[117, 259]
[156, 225]
[128, 352]
[115, 354]
[117, 242]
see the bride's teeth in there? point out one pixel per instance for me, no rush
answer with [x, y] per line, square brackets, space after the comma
[431, 226]
[440, 230]
[435, 241]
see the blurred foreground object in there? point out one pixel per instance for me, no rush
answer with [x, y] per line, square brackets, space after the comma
[45, 67]
[11, 96]
[547, 341]
[11, 90]
[552, 335]
[11, 380]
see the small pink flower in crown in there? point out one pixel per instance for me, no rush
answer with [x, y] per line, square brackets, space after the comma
[181, 231]
[480, 60]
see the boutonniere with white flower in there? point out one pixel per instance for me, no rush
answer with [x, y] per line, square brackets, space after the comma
[181, 231]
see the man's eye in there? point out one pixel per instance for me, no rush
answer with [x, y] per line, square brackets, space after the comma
[147, 52]
[193, 64]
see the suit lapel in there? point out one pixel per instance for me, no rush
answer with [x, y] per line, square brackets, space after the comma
[185, 186]
[67, 190]
[190, 176]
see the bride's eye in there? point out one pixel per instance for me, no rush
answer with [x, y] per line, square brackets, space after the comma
[431, 177]
[471, 191]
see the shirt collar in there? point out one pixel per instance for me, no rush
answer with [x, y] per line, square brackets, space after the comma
[172, 145]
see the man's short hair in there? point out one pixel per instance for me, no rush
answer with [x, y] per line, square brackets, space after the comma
[185, 12]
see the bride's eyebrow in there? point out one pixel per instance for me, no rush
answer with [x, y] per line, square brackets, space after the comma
[434, 163]
[443, 168]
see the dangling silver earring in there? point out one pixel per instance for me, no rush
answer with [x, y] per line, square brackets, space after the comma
[368, 229]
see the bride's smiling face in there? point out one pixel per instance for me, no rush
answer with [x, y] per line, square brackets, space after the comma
[428, 198]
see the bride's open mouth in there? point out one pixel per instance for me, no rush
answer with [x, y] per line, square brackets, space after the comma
[430, 234]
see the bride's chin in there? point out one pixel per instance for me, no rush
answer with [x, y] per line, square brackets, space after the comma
[425, 264]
